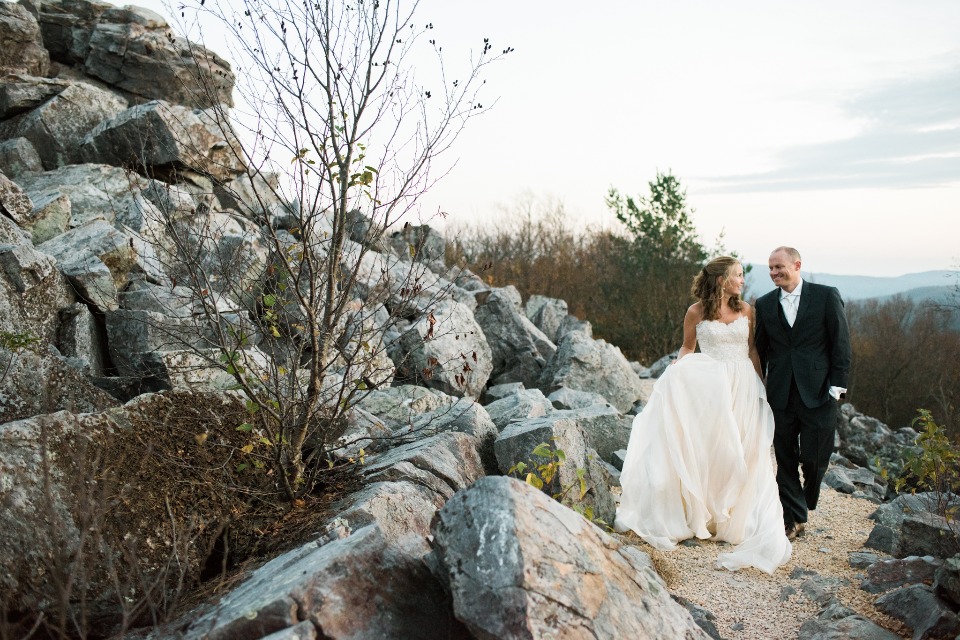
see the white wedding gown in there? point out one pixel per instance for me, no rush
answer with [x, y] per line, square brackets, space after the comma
[698, 462]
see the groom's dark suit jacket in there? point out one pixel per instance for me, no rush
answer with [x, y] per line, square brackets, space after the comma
[815, 351]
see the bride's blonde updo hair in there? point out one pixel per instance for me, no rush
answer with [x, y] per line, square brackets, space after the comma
[708, 286]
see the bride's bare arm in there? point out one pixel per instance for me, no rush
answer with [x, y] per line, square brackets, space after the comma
[754, 356]
[690, 320]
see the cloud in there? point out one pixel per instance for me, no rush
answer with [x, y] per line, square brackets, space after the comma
[911, 139]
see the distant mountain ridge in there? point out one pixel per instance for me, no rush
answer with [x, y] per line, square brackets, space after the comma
[925, 285]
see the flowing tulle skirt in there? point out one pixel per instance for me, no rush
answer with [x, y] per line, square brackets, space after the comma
[698, 464]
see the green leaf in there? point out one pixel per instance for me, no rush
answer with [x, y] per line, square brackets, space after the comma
[534, 481]
[246, 427]
[241, 466]
[542, 450]
[269, 300]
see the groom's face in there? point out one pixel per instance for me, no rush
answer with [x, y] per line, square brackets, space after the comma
[784, 270]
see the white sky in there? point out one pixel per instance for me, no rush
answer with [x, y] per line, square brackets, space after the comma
[833, 127]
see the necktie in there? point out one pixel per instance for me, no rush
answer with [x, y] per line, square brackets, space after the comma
[790, 307]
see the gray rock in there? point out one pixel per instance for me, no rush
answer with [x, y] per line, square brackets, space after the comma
[305, 630]
[862, 559]
[519, 406]
[366, 585]
[574, 324]
[92, 242]
[836, 622]
[657, 368]
[867, 442]
[92, 281]
[14, 203]
[519, 349]
[137, 338]
[947, 580]
[444, 463]
[50, 216]
[18, 156]
[547, 314]
[40, 381]
[464, 416]
[564, 398]
[66, 27]
[57, 127]
[857, 481]
[704, 619]
[20, 93]
[508, 580]
[890, 574]
[25, 268]
[32, 289]
[159, 136]
[519, 440]
[400, 406]
[822, 589]
[449, 354]
[605, 429]
[928, 534]
[921, 610]
[21, 45]
[132, 50]
[363, 432]
[592, 365]
[95, 191]
[886, 533]
[81, 341]
[421, 243]
[619, 457]
[500, 391]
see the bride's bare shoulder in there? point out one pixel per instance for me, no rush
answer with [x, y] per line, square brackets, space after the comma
[694, 312]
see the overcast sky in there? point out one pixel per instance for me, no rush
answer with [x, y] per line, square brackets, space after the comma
[834, 127]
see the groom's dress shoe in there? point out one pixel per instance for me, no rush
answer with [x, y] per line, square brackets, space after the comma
[794, 530]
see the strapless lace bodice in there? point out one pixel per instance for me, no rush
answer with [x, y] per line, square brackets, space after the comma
[724, 342]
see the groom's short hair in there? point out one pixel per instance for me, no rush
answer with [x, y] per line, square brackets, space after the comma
[793, 253]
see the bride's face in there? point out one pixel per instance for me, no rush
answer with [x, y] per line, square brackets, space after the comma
[733, 282]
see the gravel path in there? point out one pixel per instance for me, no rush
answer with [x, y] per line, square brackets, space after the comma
[749, 604]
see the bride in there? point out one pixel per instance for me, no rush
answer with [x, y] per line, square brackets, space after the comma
[698, 462]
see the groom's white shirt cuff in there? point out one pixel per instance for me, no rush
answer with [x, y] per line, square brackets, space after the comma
[835, 392]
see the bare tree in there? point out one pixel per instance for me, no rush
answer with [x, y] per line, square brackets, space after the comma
[288, 255]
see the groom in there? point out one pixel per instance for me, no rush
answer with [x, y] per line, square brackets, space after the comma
[804, 347]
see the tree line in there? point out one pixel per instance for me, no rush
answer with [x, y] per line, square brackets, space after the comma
[632, 283]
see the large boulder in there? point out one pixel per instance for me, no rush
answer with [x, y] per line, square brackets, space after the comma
[520, 350]
[58, 126]
[519, 406]
[364, 585]
[98, 259]
[132, 49]
[446, 350]
[579, 467]
[20, 93]
[14, 203]
[32, 289]
[159, 137]
[548, 314]
[94, 190]
[583, 363]
[509, 580]
[464, 416]
[919, 607]
[837, 622]
[36, 381]
[18, 156]
[21, 45]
